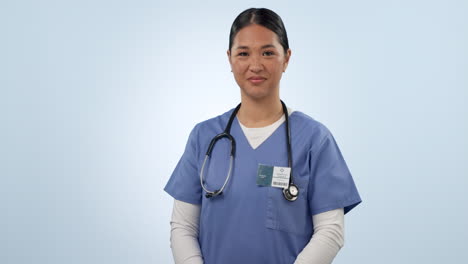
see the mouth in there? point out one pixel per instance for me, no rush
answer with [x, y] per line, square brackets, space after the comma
[256, 80]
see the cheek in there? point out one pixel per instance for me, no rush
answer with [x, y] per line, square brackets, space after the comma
[275, 67]
[239, 71]
[240, 67]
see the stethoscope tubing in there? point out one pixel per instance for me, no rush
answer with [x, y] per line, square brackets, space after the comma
[290, 193]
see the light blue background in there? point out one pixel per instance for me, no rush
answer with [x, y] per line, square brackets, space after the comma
[98, 97]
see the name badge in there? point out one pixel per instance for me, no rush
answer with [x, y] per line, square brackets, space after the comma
[273, 176]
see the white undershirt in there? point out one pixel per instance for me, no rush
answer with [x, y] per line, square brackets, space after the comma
[257, 135]
[327, 240]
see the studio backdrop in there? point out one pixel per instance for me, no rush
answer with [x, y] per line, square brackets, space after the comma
[97, 99]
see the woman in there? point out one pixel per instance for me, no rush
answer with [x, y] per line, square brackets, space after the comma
[271, 203]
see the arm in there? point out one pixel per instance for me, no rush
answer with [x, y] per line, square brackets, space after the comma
[327, 240]
[184, 233]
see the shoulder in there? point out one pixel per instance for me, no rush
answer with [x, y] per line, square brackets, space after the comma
[214, 123]
[202, 130]
[311, 127]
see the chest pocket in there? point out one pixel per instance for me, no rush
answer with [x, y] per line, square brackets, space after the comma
[293, 217]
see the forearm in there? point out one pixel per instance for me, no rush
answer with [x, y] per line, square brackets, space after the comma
[327, 240]
[184, 233]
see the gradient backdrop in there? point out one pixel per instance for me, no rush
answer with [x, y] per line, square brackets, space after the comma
[97, 99]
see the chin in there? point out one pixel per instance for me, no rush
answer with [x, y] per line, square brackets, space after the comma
[255, 93]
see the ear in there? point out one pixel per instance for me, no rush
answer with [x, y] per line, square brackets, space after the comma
[229, 57]
[286, 59]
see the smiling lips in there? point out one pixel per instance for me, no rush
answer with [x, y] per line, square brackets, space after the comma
[256, 79]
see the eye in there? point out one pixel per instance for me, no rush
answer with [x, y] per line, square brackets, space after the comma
[240, 54]
[269, 52]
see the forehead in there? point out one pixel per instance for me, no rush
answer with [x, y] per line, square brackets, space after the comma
[255, 35]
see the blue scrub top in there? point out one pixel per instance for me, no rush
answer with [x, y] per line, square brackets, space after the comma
[254, 224]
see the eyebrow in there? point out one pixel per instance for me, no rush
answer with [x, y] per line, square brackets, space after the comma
[263, 47]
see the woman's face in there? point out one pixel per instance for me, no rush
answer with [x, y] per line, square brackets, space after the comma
[256, 53]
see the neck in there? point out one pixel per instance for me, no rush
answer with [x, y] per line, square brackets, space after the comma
[259, 113]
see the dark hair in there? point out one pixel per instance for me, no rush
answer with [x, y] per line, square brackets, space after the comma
[260, 16]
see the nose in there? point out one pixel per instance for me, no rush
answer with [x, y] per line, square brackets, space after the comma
[256, 64]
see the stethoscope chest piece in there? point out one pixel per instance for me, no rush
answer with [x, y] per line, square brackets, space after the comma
[291, 193]
[215, 193]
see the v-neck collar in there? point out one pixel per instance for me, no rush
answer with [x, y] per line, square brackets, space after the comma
[238, 128]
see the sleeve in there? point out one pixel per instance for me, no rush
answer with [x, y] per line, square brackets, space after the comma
[327, 240]
[184, 233]
[184, 183]
[331, 184]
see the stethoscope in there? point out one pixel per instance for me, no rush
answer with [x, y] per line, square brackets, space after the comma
[290, 193]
